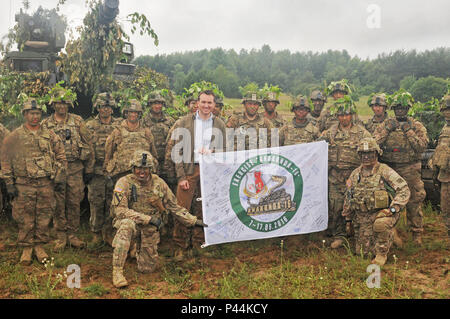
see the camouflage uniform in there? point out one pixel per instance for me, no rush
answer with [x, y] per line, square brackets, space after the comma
[121, 143]
[99, 189]
[3, 132]
[376, 100]
[441, 160]
[326, 120]
[295, 133]
[342, 160]
[133, 218]
[160, 128]
[402, 151]
[372, 124]
[33, 161]
[277, 121]
[368, 194]
[77, 141]
[241, 123]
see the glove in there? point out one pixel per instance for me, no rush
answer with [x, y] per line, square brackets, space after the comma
[155, 221]
[59, 187]
[391, 125]
[384, 213]
[200, 223]
[12, 191]
[406, 126]
[349, 228]
[87, 178]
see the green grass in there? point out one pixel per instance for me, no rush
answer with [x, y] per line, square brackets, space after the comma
[95, 290]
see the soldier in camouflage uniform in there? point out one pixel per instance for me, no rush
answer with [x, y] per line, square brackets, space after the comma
[337, 90]
[160, 124]
[270, 103]
[403, 140]
[374, 198]
[33, 162]
[125, 139]
[218, 110]
[441, 162]
[343, 158]
[318, 99]
[301, 129]
[77, 140]
[3, 132]
[99, 188]
[138, 201]
[252, 130]
[378, 103]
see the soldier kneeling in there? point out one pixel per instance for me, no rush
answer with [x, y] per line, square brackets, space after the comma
[139, 199]
[375, 196]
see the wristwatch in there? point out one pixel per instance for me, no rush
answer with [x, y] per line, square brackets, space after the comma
[393, 210]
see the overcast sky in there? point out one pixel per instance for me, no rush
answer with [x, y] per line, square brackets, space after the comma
[363, 27]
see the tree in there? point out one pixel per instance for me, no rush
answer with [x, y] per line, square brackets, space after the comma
[426, 88]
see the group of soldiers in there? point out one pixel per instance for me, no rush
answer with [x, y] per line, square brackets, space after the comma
[131, 179]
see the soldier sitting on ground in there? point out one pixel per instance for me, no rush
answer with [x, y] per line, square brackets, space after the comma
[375, 196]
[139, 199]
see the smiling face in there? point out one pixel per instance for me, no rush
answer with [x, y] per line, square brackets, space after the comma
[156, 107]
[206, 104]
[251, 108]
[270, 106]
[301, 113]
[142, 173]
[401, 112]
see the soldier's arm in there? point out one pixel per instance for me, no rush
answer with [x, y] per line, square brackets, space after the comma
[316, 133]
[381, 133]
[417, 137]
[179, 167]
[6, 157]
[120, 204]
[60, 158]
[324, 136]
[88, 139]
[180, 213]
[395, 181]
[346, 210]
[110, 147]
[231, 123]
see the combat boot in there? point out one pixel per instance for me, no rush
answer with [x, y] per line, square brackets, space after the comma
[380, 260]
[119, 280]
[397, 240]
[74, 241]
[337, 243]
[417, 238]
[60, 242]
[40, 253]
[27, 253]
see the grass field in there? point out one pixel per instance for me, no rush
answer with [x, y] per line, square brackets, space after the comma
[289, 268]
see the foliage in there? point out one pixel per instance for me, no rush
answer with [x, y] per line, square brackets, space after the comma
[339, 85]
[429, 115]
[426, 88]
[249, 88]
[45, 288]
[59, 93]
[401, 97]
[144, 24]
[344, 104]
[264, 92]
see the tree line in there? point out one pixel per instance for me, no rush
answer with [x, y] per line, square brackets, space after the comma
[300, 72]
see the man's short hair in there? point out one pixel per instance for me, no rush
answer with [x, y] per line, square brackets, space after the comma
[207, 92]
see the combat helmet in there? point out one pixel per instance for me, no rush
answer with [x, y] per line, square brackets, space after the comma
[156, 97]
[368, 144]
[400, 98]
[343, 106]
[445, 102]
[378, 99]
[104, 99]
[143, 159]
[318, 95]
[341, 86]
[219, 102]
[300, 102]
[270, 97]
[251, 97]
[133, 105]
[31, 104]
[61, 94]
[189, 99]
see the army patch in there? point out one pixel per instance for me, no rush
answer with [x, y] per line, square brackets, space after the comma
[117, 198]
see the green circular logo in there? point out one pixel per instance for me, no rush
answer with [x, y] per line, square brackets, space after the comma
[266, 192]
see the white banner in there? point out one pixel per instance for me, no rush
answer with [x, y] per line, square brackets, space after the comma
[265, 193]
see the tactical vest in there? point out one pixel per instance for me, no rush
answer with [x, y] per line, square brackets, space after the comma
[369, 194]
[342, 151]
[101, 132]
[441, 157]
[35, 158]
[299, 135]
[243, 127]
[69, 134]
[397, 149]
[371, 125]
[146, 196]
[128, 143]
[277, 121]
[160, 130]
